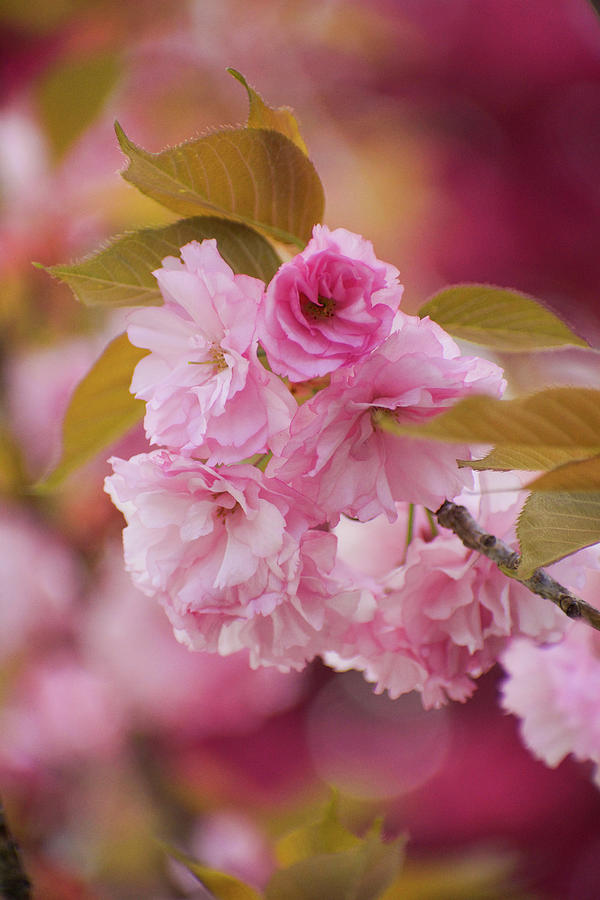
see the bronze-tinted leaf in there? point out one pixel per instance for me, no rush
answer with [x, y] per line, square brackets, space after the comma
[581, 475]
[498, 318]
[280, 119]
[564, 418]
[101, 409]
[532, 459]
[554, 525]
[254, 176]
[121, 274]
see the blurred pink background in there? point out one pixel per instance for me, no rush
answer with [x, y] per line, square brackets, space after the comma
[462, 138]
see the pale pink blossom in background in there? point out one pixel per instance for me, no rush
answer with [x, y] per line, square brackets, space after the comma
[554, 692]
[343, 461]
[206, 392]
[163, 685]
[59, 713]
[224, 551]
[329, 306]
[39, 584]
[231, 842]
[40, 384]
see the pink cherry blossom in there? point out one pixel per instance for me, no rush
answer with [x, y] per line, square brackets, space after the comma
[159, 682]
[228, 553]
[206, 392]
[443, 616]
[338, 456]
[329, 306]
[554, 691]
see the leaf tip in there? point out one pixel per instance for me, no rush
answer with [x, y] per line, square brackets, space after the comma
[237, 75]
[121, 136]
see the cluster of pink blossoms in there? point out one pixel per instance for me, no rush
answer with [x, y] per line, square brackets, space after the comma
[554, 690]
[230, 521]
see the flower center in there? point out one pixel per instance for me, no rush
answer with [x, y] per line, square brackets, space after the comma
[324, 308]
[216, 358]
[381, 417]
[227, 506]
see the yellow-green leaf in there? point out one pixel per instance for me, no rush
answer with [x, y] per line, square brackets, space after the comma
[327, 835]
[324, 859]
[121, 274]
[509, 458]
[222, 886]
[554, 525]
[361, 873]
[71, 95]
[254, 176]
[581, 475]
[564, 418]
[101, 409]
[280, 119]
[334, 876]
[498, 318]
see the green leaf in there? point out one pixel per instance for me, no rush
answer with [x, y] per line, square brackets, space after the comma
[224, 887]
[335, 876]
[101, 409]
[121, 274]
[254, 176]
[72, 94]
[498, 318]
[324, 859]
[581, 475]
[565, 418]
[280, 119]
[508, 458]
[362, 873]
[554, 525]
[327, 835]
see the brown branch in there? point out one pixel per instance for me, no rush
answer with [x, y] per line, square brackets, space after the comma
[459, 520]
[14, 883]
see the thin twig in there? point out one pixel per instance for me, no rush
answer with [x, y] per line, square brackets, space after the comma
[14, 883]
[459, 520]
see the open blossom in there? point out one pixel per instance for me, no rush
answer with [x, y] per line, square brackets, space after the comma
[554, 691]
[442, 617]
[340, 458]
[329, 306]
[228, 553]
[205, 390]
